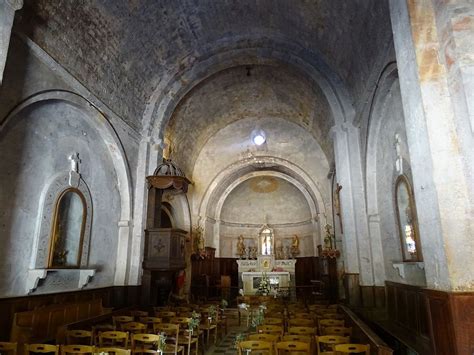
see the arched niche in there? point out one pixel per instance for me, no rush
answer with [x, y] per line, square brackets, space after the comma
[51, 199]
[387, 158]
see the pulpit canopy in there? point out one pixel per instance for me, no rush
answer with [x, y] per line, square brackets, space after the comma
[169, 176]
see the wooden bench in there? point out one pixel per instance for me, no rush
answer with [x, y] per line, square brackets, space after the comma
[41, 324]
[363, 334]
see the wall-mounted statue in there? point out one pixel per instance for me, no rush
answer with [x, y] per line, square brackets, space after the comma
[241, 247]
[295, 246]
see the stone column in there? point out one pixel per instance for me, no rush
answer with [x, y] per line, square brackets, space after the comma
[435, 59]
[357, 247]
[7, 14]
[149, 156]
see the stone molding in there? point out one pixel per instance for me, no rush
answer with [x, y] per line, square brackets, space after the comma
[49, 199]
[83, 276]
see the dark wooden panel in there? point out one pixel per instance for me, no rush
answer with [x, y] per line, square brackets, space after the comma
[113, 297]
[306, 269]
[462, 305]
[442, 332]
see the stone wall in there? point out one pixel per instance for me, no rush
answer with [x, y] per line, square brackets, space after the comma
[45, 118]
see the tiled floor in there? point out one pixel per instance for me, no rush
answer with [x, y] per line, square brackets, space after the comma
[226, 345]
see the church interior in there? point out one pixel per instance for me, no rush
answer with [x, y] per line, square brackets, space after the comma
[221, 177]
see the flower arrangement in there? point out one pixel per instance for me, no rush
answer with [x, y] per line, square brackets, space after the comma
[264, 285]
[238, 338]
[258, 316]
[161, 343]
[224, 303]
[212, 312]
[194, 322]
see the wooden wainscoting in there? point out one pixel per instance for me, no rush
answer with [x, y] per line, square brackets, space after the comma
[111, 297]
[408, 316]
[451, 316]
[430, 321]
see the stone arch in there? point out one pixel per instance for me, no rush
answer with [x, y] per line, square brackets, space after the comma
[385, 83]
[243, 51]
[212, 198]
[313, 205]
[48, 201]
[100, 123]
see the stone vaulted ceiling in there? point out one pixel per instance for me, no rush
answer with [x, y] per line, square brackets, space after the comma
[121, 50]
[255, 92]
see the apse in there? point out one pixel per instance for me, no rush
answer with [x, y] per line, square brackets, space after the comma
[265, 199]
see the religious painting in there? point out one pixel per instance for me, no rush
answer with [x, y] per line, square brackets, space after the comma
[407, 220]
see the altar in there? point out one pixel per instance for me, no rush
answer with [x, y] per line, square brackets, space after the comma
[280, 273]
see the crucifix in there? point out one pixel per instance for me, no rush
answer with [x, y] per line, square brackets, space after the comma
[337, 204]
[74, 159]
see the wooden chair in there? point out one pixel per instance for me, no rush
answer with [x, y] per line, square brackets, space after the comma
[182, 309]
[113, 339]
[187, 338]
[165, 315]
[171, 331]
[329, 315]
[254, 345]
[352, 349]
[99, 328]
[134, 328]
[79, 337]
[120, 320]
[272, 338]
[138, 314]
[293, 347]
[305, 315]
[302, 330]
[149, 321]
[325, 344]
[300, 322]
[77, 349]
[209, 324]
[294, 337]
[41, 348]
[341, 331]
[322, 323]
[8, 348]
[145, 343]
[270, 329]
[273, 321]
[115, 351]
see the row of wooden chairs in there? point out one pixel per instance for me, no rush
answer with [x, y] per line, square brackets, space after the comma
[294, 346]
[325, 345]
[12, 349]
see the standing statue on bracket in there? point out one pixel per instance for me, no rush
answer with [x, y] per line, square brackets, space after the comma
[241, 247]
[295, 246]
[199, 241]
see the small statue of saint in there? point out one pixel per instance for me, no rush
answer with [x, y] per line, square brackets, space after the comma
[241, 247]
[295, 246]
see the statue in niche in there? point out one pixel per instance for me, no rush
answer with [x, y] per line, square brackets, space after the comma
[266, 240]
[241, 247]
[295, 246]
